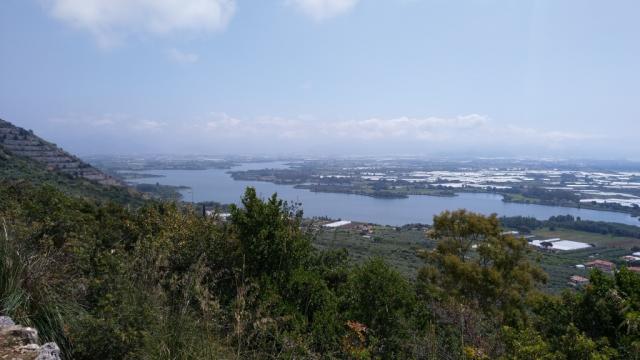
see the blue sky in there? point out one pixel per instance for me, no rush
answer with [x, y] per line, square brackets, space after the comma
[349, 77]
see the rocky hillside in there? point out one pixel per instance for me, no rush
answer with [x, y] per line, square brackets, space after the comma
[18, 141]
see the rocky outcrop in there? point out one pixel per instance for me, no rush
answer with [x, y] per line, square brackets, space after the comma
[21, 343]
[21, 142]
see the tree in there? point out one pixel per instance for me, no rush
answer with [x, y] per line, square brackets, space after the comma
[269, 235]
[380, 298]
[478, 265]
[600, 321]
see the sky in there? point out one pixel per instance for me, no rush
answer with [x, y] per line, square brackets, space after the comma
[432, 78]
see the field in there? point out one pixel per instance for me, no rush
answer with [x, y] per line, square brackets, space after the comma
[398, 246]
[591, 238]
[519, 198]
[561, 265]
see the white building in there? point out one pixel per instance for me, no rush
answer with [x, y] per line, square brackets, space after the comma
[337, 224]
[558, 244]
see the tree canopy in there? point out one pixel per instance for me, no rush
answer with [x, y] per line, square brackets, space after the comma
[161, 281]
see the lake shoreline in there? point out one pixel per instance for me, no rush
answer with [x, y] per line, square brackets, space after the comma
[217, 185]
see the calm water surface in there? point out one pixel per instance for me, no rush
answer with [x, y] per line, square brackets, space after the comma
[217, 185]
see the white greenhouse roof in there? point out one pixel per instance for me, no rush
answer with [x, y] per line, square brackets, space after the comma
[558, 244]
[338, 224]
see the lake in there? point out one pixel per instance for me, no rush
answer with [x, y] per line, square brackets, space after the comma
[217, 185]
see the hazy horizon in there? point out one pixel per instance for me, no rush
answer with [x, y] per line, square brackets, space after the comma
[325, 77]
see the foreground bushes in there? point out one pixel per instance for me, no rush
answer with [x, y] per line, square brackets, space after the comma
[161, 282]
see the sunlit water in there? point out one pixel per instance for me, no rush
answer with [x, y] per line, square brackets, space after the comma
[217, 185]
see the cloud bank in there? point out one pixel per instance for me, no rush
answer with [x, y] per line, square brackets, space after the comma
[321, 10]
[367, 129]
[222, 133]
[112, 20]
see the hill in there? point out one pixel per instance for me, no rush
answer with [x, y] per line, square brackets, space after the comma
[25, 157]
[25, 143]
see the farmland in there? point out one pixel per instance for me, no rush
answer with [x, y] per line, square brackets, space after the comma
[399, 247]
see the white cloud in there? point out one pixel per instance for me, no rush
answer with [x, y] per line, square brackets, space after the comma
[323, 9]
[147, 125]
[472, 129]
[102, 121]
[111, 20]
[182, 57]
[473, 132]
[405, 127]
[549, 136]
[114, 122]
[469, 134]
[435, 128]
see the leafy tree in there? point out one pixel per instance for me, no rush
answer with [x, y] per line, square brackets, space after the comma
[381, 299]
[526, 344]
[476, 264]
[271, 243]
[575, 345]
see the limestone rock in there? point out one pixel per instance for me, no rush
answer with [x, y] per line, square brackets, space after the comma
[21, 343]
[6, 321]
[49, 351]
[19, 334]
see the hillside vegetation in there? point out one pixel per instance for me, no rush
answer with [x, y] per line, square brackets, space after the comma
[162, 282]
[27, 158]
[107, 280]
[25, 143]
[20, 169]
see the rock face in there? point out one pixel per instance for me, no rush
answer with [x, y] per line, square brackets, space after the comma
[6, 321]
[21, 142]
[21, 343]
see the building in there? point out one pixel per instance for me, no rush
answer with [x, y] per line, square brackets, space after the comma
[337, 224]
[635, 269]
[559, 244]
[601, 265]
[577, 280]
[365, 229]
[630, 258]
[221, 216]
